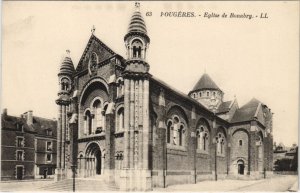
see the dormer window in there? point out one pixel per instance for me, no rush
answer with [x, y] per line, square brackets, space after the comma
[49, 132]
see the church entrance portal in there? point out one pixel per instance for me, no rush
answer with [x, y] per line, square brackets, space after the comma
[93, 160]
[241, 167]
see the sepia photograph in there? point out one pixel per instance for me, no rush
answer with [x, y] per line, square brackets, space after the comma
[162, 96]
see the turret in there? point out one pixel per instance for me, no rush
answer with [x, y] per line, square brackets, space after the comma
[65, 81]
[207, 93]
[136, 43]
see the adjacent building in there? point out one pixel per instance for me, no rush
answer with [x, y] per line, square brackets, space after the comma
[28, 147]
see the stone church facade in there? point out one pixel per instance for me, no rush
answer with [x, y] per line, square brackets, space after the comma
[123, 123]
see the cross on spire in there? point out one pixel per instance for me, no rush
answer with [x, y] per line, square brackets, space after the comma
[68, 53]
[93, 29]
[137, 5]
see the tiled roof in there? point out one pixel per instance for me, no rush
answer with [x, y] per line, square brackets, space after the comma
[224, 107]
[246, 112]
[205, 82]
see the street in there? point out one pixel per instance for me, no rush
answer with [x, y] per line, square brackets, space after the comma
[276, 184]
[279, 183]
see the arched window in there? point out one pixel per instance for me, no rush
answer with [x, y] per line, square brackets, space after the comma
[180, 132]
[176, 131]
[94, 58]
[120, 87]
[240, 143]
[137, 49]
[120, 119]
[98, 116]
[202, 138]
[199, 94]
[64, 84]
[221, 141]
[207, 93]
[88, 122]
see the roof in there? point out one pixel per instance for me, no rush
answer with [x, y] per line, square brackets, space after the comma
[184, 96]
[246, 112]
[67, 66]
[10, 122]
[40, 125]
[137, 23]
[224, 107]
[205, 82]
[89, 44]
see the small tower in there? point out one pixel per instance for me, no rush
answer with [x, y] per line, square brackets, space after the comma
[207, 93]
[136, 43]
[136, 107]
[65, 81]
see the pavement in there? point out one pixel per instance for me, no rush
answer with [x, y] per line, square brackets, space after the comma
[274, 184]
[278, 183]
[295, 187]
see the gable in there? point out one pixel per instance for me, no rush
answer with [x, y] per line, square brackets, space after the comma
[96, 46]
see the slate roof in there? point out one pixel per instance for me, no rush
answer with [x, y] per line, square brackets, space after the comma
[246, 112]
[39, 125]
[205, 82]
[224, 107]
[10, 122]
[42, 124]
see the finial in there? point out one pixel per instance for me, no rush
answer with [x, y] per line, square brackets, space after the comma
[68, 53]
[137, 6]
[93, 29]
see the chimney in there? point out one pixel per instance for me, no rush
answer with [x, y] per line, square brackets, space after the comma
[29, 117]
[4, 112]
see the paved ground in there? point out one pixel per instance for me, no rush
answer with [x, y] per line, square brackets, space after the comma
[275, 184]
[29, 185]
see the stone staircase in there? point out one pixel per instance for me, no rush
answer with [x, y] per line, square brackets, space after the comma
[81, 184]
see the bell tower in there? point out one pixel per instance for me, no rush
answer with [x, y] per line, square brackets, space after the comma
[136, 174]
[65, 81]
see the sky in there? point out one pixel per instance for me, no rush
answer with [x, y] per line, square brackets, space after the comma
[245, 57]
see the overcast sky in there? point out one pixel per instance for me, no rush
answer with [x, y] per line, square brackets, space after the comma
[247, 58]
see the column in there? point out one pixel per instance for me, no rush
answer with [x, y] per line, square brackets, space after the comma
[126, 123]
[59, 126]
[131, 123]
[63, 136]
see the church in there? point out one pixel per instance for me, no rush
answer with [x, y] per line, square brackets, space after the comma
[118, 121]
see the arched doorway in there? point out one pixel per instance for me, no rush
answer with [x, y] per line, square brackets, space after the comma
[93, 160]
[241, 167]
